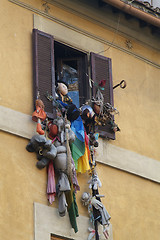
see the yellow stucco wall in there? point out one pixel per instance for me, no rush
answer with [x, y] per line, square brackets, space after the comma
[16, 57]
[133, 202]
[137, 104]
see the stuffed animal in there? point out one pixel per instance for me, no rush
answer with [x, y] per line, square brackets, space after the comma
[44, 149]
[94, 182]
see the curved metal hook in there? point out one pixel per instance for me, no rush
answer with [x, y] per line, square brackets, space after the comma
[122, 84]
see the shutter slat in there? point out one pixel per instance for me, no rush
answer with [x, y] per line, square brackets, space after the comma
[44, 75]
[101, 70]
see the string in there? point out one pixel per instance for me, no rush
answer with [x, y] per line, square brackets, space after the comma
[115, 34]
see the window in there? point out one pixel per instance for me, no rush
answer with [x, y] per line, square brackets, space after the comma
[71, 66]
[53, 61]
[56, 237]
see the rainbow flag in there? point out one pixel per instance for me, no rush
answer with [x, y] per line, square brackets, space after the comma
[79, 148]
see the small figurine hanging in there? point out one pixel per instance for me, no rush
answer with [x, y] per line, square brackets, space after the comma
[104, 112]
[39, 115]
[94, 181]
[97, 213]
[65, 101]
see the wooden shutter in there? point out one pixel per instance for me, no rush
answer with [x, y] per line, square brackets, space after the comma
[101, 69]
[43, 69]
[84, 93]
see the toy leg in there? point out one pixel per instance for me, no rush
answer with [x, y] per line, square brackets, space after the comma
[39, 127]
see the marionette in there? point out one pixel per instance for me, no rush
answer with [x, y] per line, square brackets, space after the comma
[102, 216]
[88, 116]
[94, 182]
[39, 115]
[63, 98]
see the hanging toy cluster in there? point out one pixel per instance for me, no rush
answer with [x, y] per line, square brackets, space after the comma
[66, 145]
[104, 111]
[97, 212]
[98, 113]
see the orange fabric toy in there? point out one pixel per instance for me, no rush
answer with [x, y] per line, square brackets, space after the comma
[39, 115]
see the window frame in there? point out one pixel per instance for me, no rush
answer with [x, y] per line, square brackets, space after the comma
[84, 89]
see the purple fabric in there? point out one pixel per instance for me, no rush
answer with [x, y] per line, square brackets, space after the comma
[74, 177]
[51, 186]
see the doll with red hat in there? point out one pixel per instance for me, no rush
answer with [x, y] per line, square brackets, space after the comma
[39, 115]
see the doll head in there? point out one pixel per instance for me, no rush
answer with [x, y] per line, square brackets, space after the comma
[39, 103]
[62, 88]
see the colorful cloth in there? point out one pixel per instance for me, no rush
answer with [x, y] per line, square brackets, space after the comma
[83, 162]
[79, 148]
[72, 208]
[74, 177]
[51, 186]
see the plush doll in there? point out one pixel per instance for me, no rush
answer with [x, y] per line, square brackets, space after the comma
[46, 153]
[94, 182]
[66, 102]
[102, 214]
[44, 149]
[88, 116]
[39, 115]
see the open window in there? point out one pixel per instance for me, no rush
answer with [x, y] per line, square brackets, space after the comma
[55, 61]
[71, 67]
[56, 237]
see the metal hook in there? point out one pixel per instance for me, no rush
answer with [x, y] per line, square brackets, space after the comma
[122, 84]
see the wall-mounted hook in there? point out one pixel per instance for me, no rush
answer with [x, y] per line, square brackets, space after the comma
[122, 84]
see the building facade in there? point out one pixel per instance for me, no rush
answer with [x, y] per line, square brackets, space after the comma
[128, 163]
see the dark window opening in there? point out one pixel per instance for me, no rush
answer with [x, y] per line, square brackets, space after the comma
[71, 67]
[56, 237]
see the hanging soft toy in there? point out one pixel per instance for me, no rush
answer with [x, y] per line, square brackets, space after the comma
[66, 102]
[94, 181]
[39, 115]
[88, 116]
[46, 153]
[43, 148]
[102, 215]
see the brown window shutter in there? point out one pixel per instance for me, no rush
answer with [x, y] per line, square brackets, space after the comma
[101, 69]
[84, 82]
[43, 68]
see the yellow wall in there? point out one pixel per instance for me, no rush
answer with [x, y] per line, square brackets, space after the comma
[138, 104]
[133, 202]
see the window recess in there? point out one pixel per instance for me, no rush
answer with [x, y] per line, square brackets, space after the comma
[53, 61]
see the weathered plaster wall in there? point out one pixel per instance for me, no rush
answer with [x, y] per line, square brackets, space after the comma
[133, 202]
[137, 104]
[16, 57]
[21, 184]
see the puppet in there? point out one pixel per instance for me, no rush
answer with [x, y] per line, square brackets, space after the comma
[39, 115]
